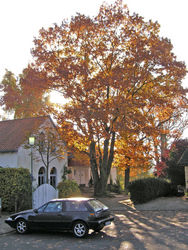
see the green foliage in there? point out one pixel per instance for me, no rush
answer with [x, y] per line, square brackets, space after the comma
[15, 189]
[68, 188]
[144, 190]
[66, 172]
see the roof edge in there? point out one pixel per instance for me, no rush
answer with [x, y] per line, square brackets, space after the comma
[9, 151]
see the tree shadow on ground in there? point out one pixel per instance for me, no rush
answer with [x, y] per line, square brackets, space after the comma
[151, 229]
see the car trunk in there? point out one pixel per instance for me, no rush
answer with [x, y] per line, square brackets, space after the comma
[103, 213]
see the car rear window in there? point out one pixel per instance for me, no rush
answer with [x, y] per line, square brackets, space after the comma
[75, 206]
[97, 205]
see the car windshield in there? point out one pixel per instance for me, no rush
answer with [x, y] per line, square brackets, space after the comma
[97, 205]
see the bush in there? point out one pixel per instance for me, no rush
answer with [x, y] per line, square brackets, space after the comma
[114, 187]
[144, 190]
[68, 188]
[15, 189]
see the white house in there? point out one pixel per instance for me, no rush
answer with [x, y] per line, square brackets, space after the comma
[13, 136]
[80, 169]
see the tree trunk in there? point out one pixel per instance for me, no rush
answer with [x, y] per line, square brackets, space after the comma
[127, 177]
[101, 173]
[94, 167]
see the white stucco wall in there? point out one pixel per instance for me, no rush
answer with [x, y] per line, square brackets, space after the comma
[80, 174]
[8, 160]
[24, 160]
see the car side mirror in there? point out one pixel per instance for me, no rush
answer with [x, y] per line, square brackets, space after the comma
[36, 211]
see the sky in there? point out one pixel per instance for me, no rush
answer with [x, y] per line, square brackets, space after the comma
[21, 20]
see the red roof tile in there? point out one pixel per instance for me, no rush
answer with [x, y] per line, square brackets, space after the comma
[14, 132]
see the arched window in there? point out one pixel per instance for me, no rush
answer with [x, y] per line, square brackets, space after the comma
[53, 174]
[41, 176]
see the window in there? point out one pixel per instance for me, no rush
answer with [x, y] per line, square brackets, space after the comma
[74, 172]
[53, 207]
[97, 205]
[75, 206]
[40, 209]
[41, 176]
[53, 174]
[52, 140]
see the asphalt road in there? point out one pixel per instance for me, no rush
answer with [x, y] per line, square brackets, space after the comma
[131, 230]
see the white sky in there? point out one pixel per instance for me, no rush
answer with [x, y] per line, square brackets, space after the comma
[20, 21]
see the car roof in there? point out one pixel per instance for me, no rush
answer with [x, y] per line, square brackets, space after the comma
[74, 199]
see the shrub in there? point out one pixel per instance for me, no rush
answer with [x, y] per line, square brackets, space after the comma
[68, 188]
[114, 187]
[15, 189]
[144, 190]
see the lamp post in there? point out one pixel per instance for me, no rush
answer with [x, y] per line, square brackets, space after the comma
[31, 143]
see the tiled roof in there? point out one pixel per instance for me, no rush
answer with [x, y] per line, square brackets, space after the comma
[14, 132]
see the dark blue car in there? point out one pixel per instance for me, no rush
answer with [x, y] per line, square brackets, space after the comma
[74, 214]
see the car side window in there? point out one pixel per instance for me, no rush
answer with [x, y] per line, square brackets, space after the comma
[75, 206]
[53, 207]
[41, 209]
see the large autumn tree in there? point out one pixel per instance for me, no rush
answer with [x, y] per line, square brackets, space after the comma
[117, 74]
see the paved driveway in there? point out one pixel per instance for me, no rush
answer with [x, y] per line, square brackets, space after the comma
[122, 202]
[161, 224]
[156, 230]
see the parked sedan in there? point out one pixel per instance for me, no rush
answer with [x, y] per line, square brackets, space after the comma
[74, 214]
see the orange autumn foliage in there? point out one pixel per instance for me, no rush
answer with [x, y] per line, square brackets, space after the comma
[21, 98]
[119, 76]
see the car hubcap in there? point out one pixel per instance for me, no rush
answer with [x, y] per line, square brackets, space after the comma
[21, 226]
[79, 229]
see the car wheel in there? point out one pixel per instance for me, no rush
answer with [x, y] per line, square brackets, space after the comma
[80, 229]
[21, 226]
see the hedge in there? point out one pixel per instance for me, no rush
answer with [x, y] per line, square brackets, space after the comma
[15, 189]
[147, 189]
[68, 188]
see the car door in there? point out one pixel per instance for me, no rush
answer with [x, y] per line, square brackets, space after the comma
[50, 217]
[75, 210]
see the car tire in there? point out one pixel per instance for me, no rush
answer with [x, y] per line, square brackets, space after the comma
[21, 226]
[80, 229]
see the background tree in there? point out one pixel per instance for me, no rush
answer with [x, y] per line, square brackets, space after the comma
[21, 98]
[117, 73]
[168, 167]
[175, 172]
[133, 156]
